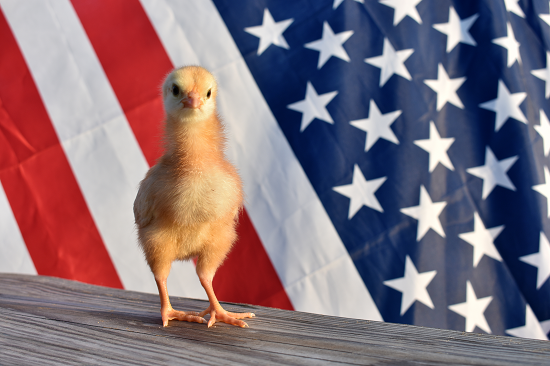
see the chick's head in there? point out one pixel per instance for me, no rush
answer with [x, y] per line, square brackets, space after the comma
[189, 94]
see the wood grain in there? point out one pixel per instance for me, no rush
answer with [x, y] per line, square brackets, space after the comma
[47, 321]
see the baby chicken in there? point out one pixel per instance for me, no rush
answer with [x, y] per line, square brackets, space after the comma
[187, 204]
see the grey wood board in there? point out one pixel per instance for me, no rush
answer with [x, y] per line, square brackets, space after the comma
[45, 320]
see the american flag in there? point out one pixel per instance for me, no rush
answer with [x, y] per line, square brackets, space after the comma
[394, 152]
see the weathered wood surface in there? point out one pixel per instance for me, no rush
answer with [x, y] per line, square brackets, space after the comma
[47, 321]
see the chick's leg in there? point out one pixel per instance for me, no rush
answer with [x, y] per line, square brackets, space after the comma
[166, 310]
[206, 271]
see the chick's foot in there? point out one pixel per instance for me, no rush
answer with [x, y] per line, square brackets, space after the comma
[189, 316]
[218, 314]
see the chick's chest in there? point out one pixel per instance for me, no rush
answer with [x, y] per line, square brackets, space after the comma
[213, 190]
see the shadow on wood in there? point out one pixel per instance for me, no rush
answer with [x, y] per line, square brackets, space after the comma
[47, 320]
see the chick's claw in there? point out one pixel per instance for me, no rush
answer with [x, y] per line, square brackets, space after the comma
[220, 315]
[171, 314]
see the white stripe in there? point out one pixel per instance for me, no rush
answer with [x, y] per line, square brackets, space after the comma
[97, 139]
[14, 256]
[303, 245]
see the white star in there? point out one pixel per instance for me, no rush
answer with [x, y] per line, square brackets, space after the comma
[506, 105]
[413, 286]
[377, 125]
[402, 8]
[545, 17]
[494, 172]
[482, 240]
[313, 106]
[457, 30]
[361, 192]
[509, 42]
[391, 62]
[545, 325]
[427, 213]
[544, 131]
[544, 189]
[446, 88]
[270, 32]
[544, 74]
[531, 329]
[541, 260]
[437, 148]
[338, 2]
[473, 310]
[330, 45]
[513, 7]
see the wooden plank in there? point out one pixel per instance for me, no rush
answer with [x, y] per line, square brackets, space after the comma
[46, 320]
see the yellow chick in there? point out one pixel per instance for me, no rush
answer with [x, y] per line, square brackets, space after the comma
[187, 205]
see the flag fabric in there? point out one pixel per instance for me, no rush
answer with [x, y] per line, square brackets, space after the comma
[394, 153]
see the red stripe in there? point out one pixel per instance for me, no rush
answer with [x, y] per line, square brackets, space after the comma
[136, 63]
[50, 210]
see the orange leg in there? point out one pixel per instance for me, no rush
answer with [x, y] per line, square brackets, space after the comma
[207, 264]
[217, 313]
[166, 310]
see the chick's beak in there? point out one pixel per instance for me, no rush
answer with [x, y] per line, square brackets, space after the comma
[192, 100]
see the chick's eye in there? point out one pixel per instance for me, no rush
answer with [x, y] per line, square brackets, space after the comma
[175, 90]
[209, 93]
